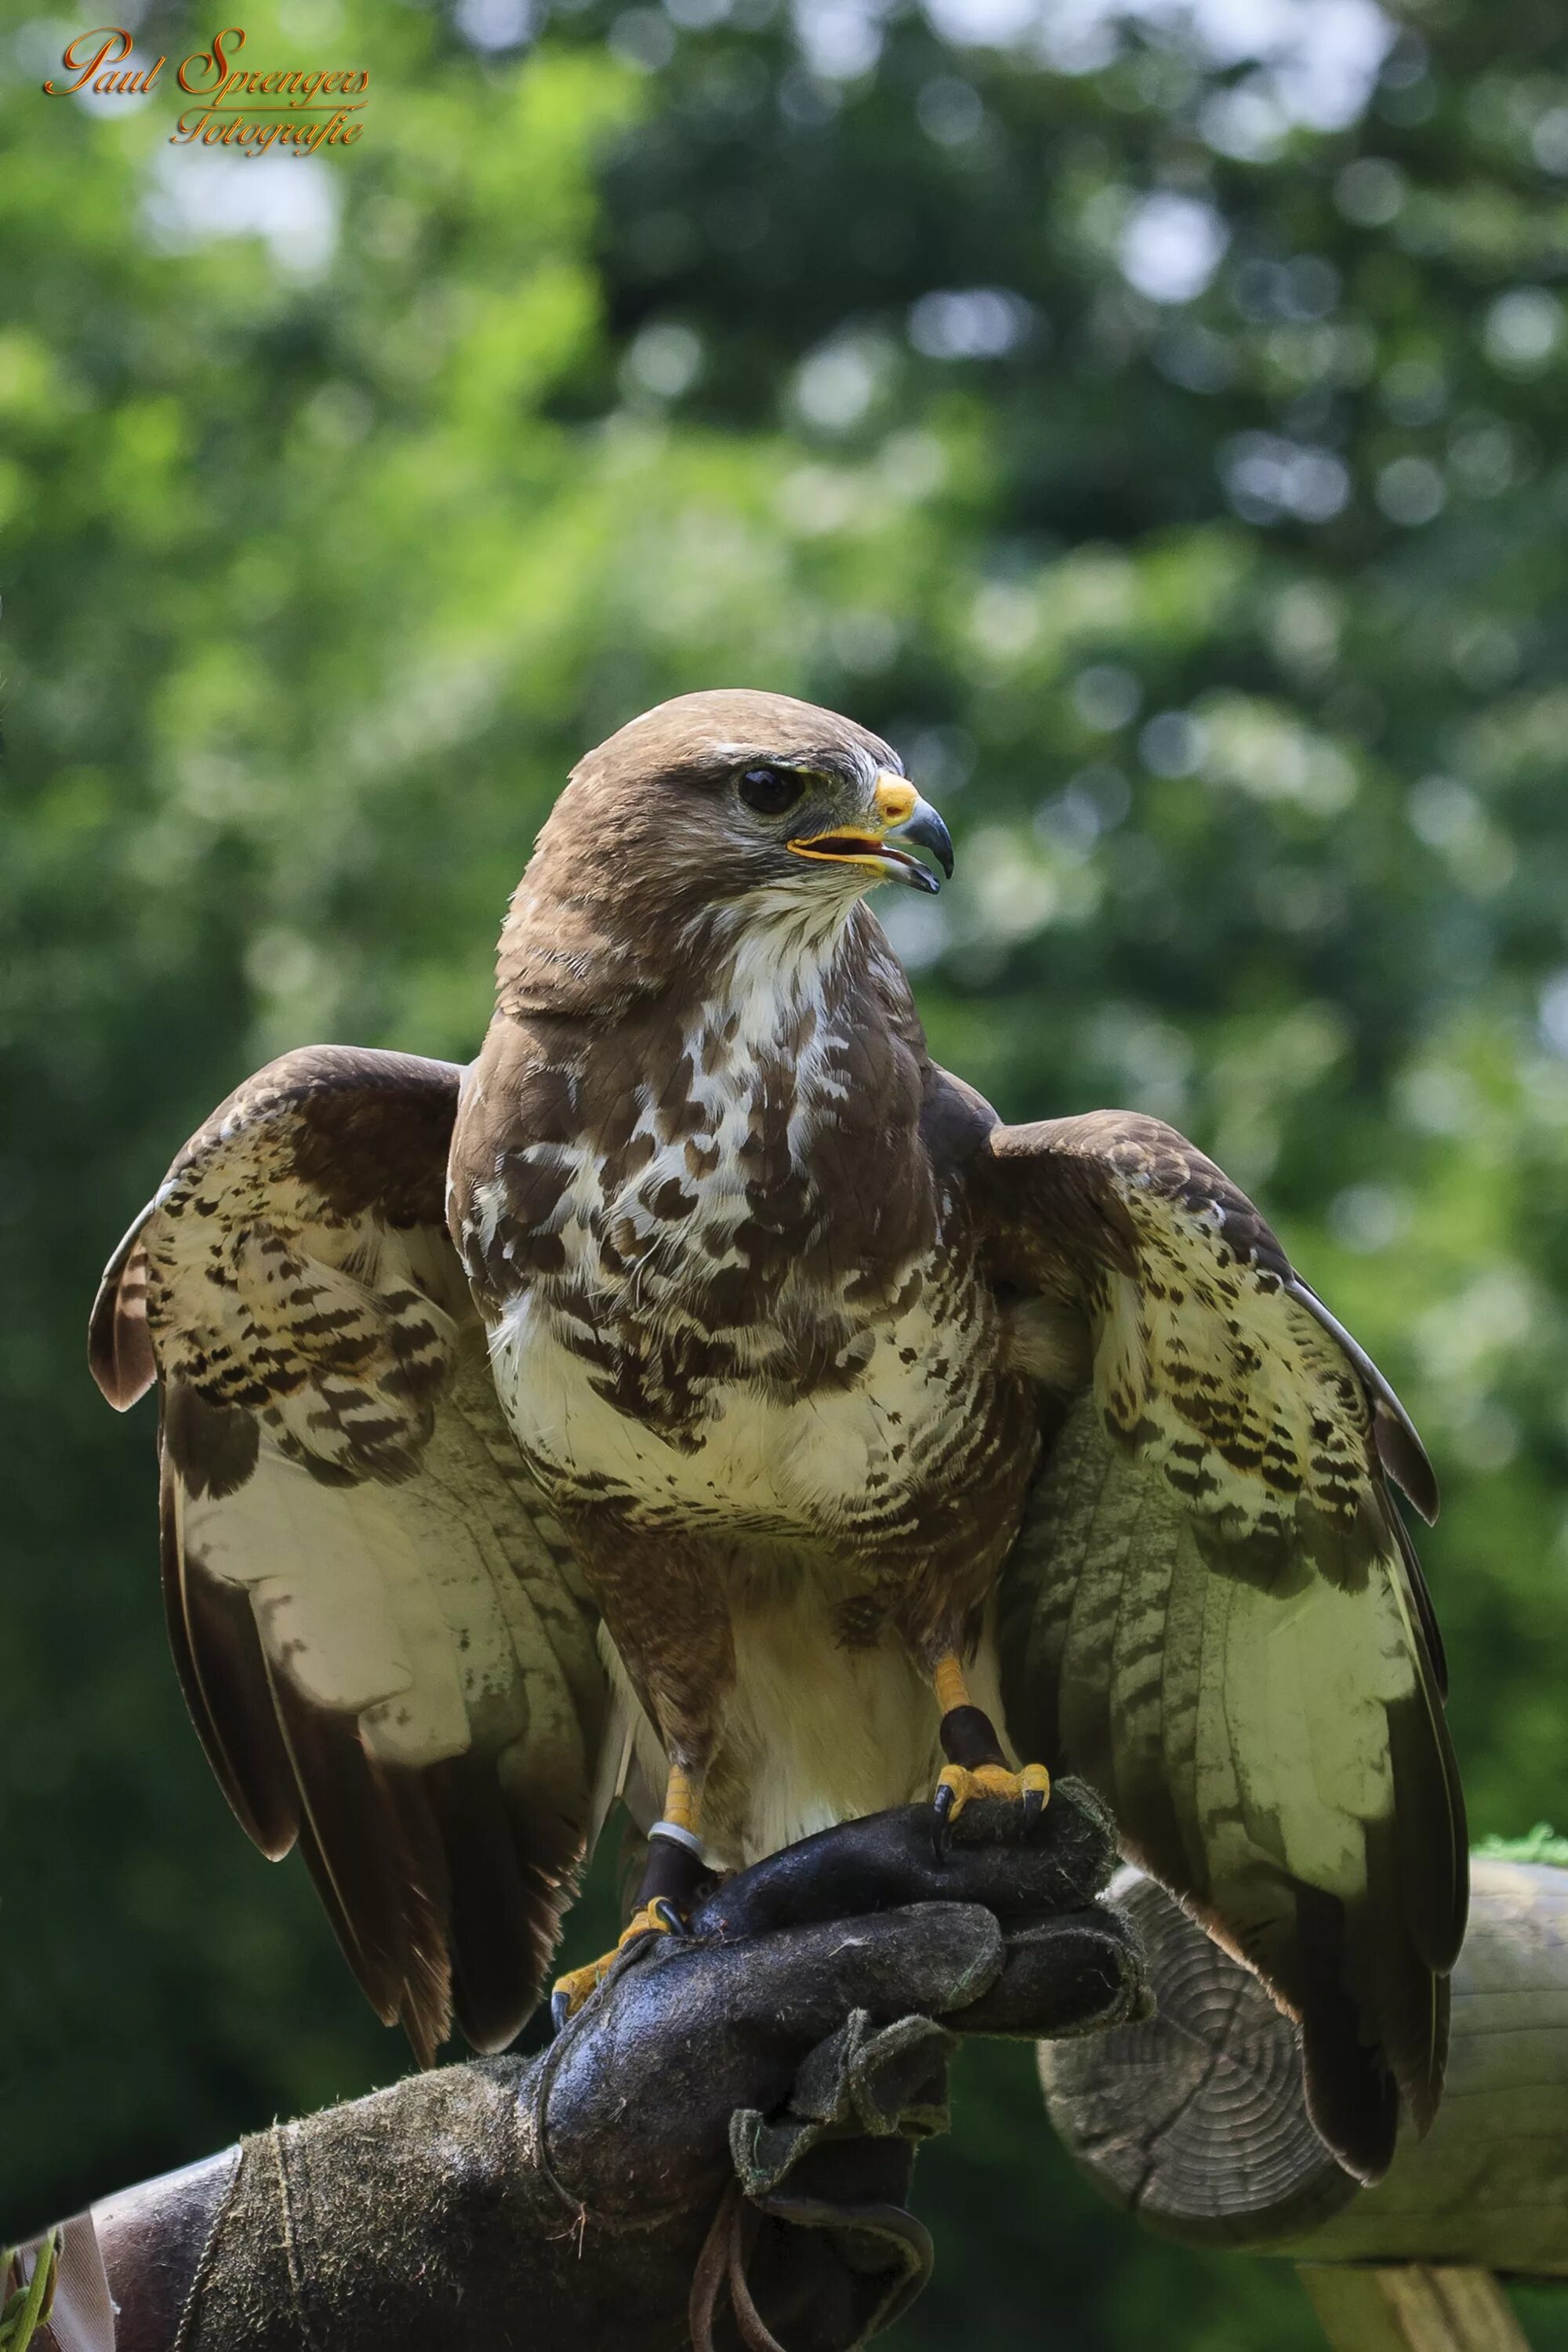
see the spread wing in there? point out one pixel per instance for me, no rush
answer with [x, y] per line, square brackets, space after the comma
[383, 1636]
[1214, 1611]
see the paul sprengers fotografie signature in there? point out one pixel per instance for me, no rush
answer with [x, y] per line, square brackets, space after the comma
[235, 107]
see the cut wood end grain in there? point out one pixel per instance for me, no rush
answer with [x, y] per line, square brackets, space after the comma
[1196, 2119]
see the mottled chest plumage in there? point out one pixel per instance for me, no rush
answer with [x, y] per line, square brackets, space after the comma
[723, 1277]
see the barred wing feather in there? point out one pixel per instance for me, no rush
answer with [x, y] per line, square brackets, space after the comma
[382, 1633]
[1214, 1611]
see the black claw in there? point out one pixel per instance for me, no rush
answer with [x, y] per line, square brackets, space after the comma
[560, 2010]
[661, 1907]
[942, 1806]
[1033, 1806]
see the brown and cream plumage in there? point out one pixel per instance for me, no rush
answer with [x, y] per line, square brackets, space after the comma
[748, 1383]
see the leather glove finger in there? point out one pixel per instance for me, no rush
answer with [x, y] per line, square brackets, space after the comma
[891, 1859]
[636, 2095]
[1070, 1974]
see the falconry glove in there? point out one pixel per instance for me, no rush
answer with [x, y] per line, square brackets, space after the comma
[715, 2152]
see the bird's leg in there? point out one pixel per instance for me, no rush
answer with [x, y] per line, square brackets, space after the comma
[675, 1868]
[668, 1613]
[671, 1876]
[977, 1766]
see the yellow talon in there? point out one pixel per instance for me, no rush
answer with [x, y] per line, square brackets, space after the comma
[572, 1990]
[1031, 1788]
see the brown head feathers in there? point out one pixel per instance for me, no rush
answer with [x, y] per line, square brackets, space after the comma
[671, 833]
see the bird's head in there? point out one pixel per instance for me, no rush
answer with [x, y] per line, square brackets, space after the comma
[707, 816]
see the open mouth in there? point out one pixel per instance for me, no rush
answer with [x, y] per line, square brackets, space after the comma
[891, 863]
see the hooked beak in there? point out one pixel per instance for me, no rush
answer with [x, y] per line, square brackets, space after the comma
[899, 811]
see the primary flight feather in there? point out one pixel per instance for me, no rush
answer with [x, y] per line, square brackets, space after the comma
[702, 1397]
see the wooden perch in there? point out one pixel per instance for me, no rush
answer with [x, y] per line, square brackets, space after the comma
[1414, 2308]
[1196, 2120]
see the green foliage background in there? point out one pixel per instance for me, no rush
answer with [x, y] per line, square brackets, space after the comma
[1227, 631]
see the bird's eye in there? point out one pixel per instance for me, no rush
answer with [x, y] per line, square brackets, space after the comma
[769, 791]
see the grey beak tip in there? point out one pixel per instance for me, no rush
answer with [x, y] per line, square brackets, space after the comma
[927, 831]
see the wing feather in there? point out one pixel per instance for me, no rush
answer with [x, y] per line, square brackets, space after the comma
[382, 1633]
[1399, 1448]
[119, 1349]
[221, 1669]
[1214, 1610]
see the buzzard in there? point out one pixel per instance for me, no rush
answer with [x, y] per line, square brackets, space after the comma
[705, 1399]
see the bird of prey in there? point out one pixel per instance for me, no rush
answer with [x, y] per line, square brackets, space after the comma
[702, 1397]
